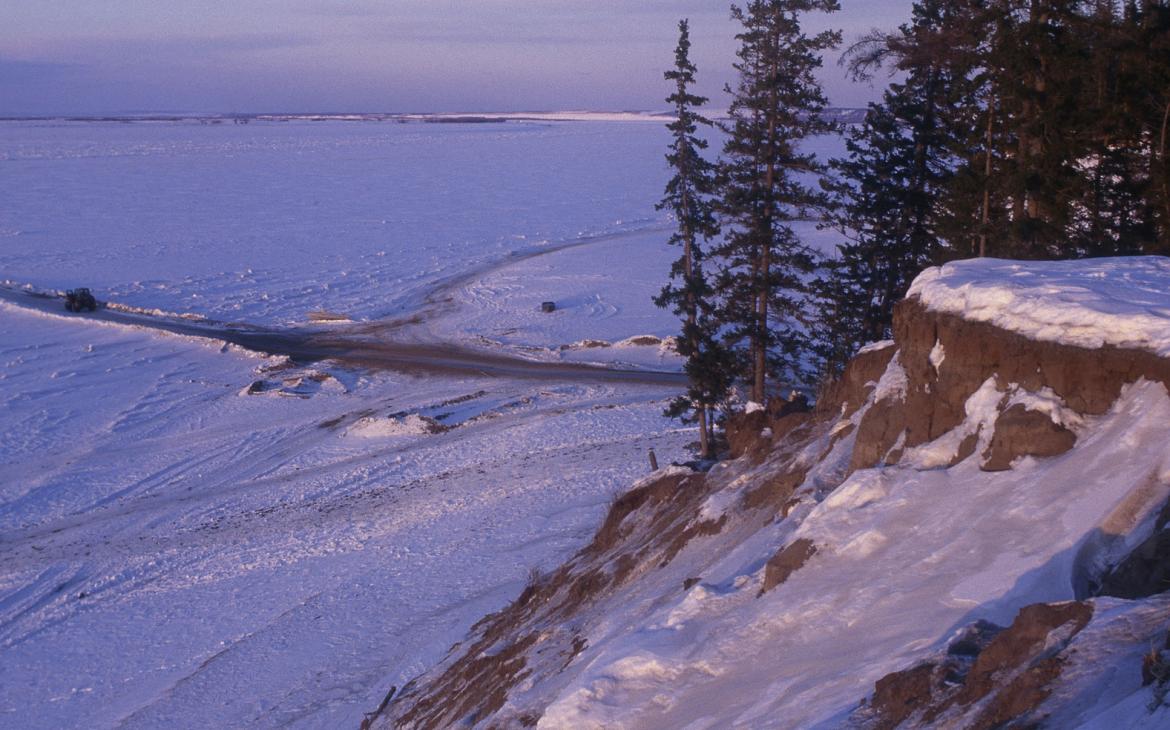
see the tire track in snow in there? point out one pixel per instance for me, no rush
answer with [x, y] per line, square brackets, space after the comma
[369, 345]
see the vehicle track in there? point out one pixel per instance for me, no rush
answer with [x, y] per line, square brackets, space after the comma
[357, 346]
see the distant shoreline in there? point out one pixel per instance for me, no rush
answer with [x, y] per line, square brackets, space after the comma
[847, 115]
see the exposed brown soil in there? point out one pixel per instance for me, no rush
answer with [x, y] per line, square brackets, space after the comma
[775, 493]
[1022, 641]
[849, 392]
[787, 561]
[745, 433]
[897, 696]
[645, 528]
[644, 340]
[1020, 432]
[989, 678]
[1088, 380]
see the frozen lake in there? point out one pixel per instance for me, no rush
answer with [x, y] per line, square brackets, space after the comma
[267, 221]
[195, 536]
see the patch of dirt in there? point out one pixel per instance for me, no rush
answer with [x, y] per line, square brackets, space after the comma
[757, 434]
[897, 696]
[1087, 380]
[643, 341]
[988, 677]
[787, 561]
[645, 527]
[849, 392]
[322, 315]
[1021, 643]
[774, 493]
[1021, 432]
[586, 345]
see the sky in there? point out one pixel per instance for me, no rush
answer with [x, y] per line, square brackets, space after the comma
[123, 56]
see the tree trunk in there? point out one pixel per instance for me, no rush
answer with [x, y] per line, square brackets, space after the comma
[759, 386]
[1165, 179]
[986, 219]
[704, 438]
[761, 354]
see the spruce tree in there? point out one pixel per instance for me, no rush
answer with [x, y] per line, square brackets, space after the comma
[777, 103]
[1148, 28]
[689, 197]
[900, 161]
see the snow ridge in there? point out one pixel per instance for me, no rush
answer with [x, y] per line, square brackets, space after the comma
[1121, 302]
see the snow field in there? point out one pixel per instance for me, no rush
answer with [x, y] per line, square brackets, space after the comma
[269, 221]
[179, 553]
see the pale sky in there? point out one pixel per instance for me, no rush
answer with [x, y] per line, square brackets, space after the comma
[111, 56]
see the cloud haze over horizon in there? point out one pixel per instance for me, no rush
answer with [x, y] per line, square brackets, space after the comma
[84, 57]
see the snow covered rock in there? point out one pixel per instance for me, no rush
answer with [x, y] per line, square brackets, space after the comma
[1023, 432]
[1105, 302]
[1007, 672]
[918, 403]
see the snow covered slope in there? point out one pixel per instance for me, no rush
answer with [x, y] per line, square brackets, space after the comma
[952, 478]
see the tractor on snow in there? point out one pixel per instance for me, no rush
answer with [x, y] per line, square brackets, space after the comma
[78, 300]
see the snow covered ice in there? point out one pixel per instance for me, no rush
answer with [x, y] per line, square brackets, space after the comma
[177, 551]
[199, 536]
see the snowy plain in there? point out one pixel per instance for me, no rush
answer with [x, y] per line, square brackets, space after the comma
[180, 551]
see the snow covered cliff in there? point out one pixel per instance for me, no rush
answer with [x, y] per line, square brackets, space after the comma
[967, 530]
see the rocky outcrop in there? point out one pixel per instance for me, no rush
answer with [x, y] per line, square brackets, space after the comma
[787, 561]
[1021, 432]
[1146, 570]
[644, 531]
[943, 360]
[987, 677]
[645, 527]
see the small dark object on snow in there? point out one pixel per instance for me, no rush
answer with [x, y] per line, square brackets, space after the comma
[371, 716]
[77, 300]
[653, 461]
[547, 307]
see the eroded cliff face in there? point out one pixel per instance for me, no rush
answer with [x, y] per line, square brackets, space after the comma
[1032, 392]
[799, 549]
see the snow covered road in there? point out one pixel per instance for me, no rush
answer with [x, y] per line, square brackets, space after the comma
[368, 346]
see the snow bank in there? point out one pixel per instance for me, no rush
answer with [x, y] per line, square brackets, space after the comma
[1124, 302]
[374, 427]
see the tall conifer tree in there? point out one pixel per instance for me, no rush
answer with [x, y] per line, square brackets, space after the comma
[776, 104]
[689, 197]
[900, 160]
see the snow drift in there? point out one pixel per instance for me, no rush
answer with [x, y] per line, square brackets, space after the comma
[932, 544]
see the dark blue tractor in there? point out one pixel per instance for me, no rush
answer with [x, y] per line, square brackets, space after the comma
[79, 300]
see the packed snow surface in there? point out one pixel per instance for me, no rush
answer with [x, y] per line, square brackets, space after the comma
[195, 536]
[1122, 302]
[178, 552]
